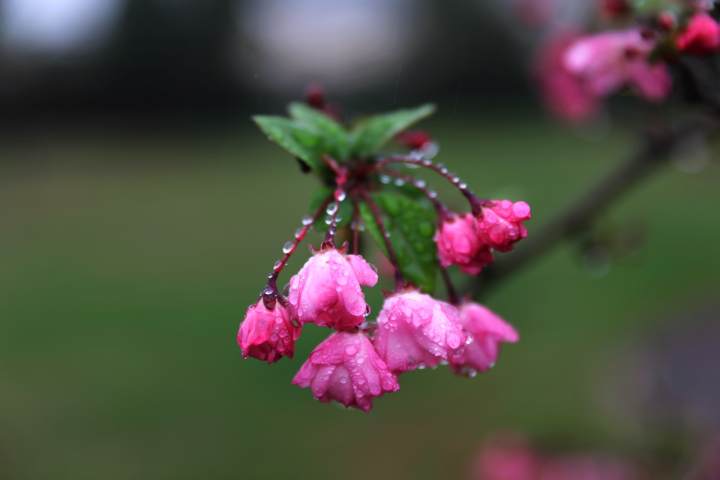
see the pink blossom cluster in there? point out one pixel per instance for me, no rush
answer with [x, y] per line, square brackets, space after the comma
[362, 358]
[357, 363]
[577, 70]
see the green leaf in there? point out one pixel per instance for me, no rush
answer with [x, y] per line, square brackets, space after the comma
[345, 211]
[370, 135]
[652, 6]
[299, 139]
[411, 224]
[335, 139]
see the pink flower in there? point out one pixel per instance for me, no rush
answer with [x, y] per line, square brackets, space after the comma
[565, 94]
[346, 368]
[266, 334]
[485, 331]
[459, 243]
[608, 61]
[415, 331]
[327, 290]
[701, 36]
[501, 224]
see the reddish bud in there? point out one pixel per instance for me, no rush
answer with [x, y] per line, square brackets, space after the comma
[315, 96]
[413, 139]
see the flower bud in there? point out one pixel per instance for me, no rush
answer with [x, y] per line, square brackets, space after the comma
[268, 334]
[459, 243]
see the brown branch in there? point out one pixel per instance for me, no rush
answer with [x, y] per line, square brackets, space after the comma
[654, 152]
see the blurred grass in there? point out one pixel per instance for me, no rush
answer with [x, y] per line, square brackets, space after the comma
[126, 266]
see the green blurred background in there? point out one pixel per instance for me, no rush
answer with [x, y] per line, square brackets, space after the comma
[133, 239]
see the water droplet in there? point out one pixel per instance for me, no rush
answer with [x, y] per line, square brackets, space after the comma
[432, 194]
[399, 182]
[455, 180]
[332, 208]
[462, 186]
[288, 247]
[426, 163]
[307, 220]
[340, 196]
[421, 366]
[385, 179]
[299, 232]
[415, 155]
[277, 265]
[420, 183]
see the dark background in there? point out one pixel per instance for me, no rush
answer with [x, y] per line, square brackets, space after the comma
[140, 211]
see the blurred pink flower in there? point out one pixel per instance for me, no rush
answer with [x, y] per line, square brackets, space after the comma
[701, 35]
[459, 243]
[266, 334]
[346, 368]
[564, 94]
[608, 61]
[511, 458]
[326, 291]
[416, 331]
[485, 331]
[501, 224]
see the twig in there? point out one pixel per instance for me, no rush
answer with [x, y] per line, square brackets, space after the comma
[653, 153]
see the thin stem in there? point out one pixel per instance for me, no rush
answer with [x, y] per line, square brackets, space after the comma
[655, 152]
[451, 292]
[475, 202]
[392, 256]
[442, 210]
[271, 290]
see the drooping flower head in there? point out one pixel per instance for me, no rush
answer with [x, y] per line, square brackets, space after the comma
[415, 331]
[459, 243]
[485, 331]
[326, 291]
[701, 35]
[501, 223]
[268, 334]
[346, 368]
[608, 61]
